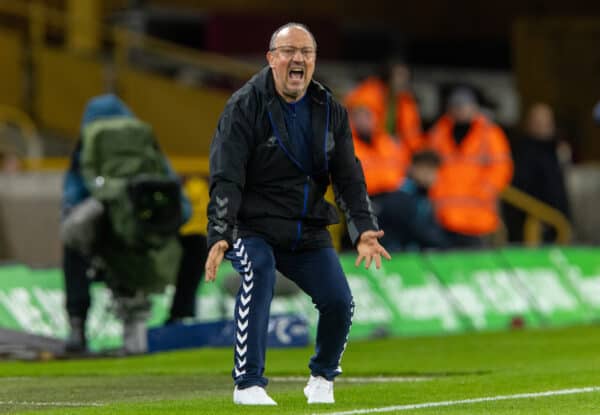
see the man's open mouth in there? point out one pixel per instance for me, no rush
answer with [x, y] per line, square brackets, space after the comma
[296, 74]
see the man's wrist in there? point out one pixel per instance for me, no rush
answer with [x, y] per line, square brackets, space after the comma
[223, 245]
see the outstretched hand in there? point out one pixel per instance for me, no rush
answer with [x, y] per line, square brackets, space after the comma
[369, 248]
[214, 259]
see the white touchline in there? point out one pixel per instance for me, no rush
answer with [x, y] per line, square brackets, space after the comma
[51, 403]
[362, 379]
[466, 401]
[15, 378]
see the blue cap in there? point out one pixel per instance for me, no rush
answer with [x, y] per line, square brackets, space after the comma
[104, 106]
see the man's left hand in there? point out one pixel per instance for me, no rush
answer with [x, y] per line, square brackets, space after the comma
[369, 248]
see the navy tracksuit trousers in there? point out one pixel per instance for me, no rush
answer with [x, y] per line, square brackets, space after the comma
[319, 274]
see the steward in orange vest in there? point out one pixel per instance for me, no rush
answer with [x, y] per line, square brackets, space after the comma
[476, 166]
[384, 160]
[393, 105]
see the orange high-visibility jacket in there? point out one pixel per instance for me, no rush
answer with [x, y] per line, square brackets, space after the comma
[384, 162]
[472, 175]
[374, 94]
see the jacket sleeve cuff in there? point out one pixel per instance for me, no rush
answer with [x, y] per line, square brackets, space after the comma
[357, 227]
[214, 237]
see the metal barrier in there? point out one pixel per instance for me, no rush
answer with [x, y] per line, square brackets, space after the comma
[538, 212]
[126, 39]
[32, 143]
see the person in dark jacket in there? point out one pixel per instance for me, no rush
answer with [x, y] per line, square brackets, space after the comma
[538, 171]
[407, 213]
[77, 267]
[279, 142]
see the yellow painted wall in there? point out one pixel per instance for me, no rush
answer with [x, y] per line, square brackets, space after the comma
[183, 118]
[64, 82]
[11, 69]
[84, 30]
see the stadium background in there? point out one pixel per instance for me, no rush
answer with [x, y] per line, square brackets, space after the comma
[176, 62]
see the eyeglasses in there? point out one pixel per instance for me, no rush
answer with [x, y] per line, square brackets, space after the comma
[289, 52]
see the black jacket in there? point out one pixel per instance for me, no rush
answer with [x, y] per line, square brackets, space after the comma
[537, 172]
[257, 187]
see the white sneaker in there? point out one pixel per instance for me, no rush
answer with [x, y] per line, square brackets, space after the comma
[254, 395]
[319, 390]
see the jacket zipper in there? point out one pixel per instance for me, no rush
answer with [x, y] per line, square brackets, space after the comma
[304, 209]
[307, 184]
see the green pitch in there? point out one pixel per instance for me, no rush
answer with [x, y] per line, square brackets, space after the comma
[420, 371]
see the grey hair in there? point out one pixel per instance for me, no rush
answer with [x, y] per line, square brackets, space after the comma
[287, 26]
